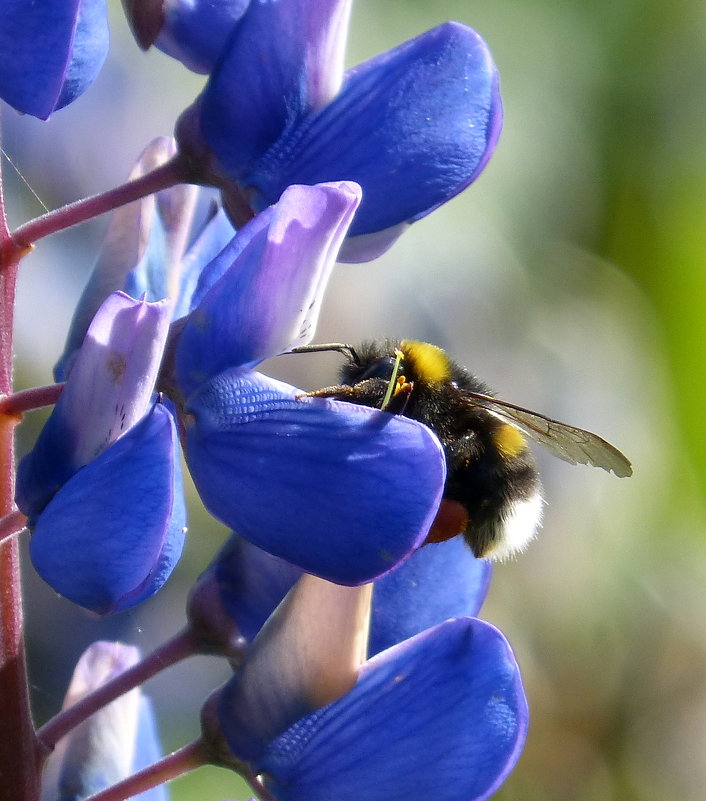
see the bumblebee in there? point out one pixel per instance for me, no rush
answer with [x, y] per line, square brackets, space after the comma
[493, 494]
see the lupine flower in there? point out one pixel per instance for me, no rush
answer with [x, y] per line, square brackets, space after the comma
[441, 715]
[290, 473]
[142, 251]
[413, 126]
[262, 294]
[342, 491]
[192, 31]
[102, 486]
[50, 52]
[113, 743]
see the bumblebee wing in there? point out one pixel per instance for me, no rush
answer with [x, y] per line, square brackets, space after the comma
[572, 444]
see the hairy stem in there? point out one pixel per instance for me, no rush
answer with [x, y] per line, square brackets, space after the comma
[19, 748]
[28, 400]
[175, 171]
[12, 524]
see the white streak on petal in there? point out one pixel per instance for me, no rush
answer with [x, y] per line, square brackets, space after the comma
[113, 377]
[307, 655]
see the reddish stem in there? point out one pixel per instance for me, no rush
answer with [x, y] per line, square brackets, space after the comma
[19, 748]
[186, 759]
[181, 646]
[28, 400]
[175, 171]
[257, 786]
[12, 524]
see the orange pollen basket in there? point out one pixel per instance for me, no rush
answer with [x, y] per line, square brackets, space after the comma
[450, 521]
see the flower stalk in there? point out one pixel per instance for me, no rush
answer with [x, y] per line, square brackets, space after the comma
[184, 760]
[20, 750]
[12, 524]
[175, 171]
[28, 400]
[181, 646]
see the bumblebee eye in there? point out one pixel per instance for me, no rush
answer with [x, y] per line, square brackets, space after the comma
[380, 368]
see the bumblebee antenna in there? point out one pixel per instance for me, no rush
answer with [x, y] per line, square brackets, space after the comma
[346, 350]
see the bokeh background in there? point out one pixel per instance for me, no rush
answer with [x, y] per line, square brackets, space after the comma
[570, 277]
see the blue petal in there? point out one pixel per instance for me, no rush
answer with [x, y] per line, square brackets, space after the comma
[251, 582]
[50, 52]
[200, 259]
[269, 297]
[439, 581]
[112, 535]
[298, 49]
[148, 277]
[440, 716]
[90, 47]
[196, 33]
[413, 127]
[342, 491]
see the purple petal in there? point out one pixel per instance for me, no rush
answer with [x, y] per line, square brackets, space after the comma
[159, 273]
[108, 390]
[298, 47]
[196, 33]
[138, 241]
[113, 533]
[413, 127]
[251, 237]
[50, 52]
[342, 491]
[441, 716]
[269, 298]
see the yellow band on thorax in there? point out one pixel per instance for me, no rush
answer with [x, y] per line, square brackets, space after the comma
[427, 361]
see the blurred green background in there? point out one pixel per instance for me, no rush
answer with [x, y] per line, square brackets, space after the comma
[570, 277]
